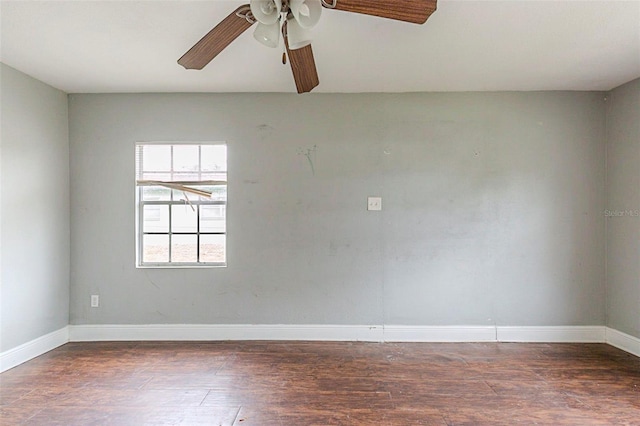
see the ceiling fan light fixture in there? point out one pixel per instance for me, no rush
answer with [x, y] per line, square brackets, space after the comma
[269, 35]
[273, 18]
[306, 12]
[297, 36]
[267, 12]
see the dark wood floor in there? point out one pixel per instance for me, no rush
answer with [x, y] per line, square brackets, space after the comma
[304, 383]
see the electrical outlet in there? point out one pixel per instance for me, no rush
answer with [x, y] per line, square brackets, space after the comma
[95, 301]
[374, 203]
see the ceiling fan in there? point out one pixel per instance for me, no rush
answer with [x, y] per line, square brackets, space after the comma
[293, 19]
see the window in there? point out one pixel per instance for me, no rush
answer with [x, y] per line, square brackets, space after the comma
[181, 197]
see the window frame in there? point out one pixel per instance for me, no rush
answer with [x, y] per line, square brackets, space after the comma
[195, 203]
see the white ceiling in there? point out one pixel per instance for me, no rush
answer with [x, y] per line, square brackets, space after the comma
[132, 46]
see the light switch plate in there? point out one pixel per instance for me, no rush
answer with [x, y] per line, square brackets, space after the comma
[374, 203]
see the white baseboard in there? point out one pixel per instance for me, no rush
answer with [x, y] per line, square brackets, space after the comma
[372, 333]
[368, 333]
[560, 334]
[32, 349]
[200, 332]
[623, 341]
[420, 333]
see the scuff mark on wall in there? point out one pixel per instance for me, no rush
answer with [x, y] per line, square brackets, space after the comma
[335, 246]
[309, 153]
[146, 275]
[265, 131]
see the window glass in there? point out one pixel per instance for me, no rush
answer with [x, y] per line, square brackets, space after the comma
[181, 204]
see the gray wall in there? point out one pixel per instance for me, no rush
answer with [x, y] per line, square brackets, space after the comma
[492, 209]
[34, 197]
[623, 203]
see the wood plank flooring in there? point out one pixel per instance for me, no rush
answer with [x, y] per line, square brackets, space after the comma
[323, 383]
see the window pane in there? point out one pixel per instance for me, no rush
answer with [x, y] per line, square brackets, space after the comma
[218, 192]
[155, 248]
[185, 158]
[155, 219]
[155, 193]
[213, 248]
[161, 176]
[172, 221]
[214, 176]
[186, 196]
[184, 218]
[184, 248]
[156, 158]
[213, 218]
[214, 157]
[185, 176]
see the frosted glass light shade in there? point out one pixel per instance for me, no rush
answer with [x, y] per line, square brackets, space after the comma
[269, 35]
[266, 12]
[297, 36]
[306, 12]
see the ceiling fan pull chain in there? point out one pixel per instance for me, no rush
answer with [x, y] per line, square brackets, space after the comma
[285, 36]
[330, 5]
[245, 13]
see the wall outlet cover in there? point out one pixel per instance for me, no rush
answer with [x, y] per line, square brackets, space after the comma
[374, 203]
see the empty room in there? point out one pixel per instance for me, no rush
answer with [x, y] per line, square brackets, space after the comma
[320, 212]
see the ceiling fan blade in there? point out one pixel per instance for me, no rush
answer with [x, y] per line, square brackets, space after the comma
[217, 39]
[303, 67]
[415, 11]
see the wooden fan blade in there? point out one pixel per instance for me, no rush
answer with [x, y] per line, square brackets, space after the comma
[303, 67]
[415, 11]
[216, 40]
